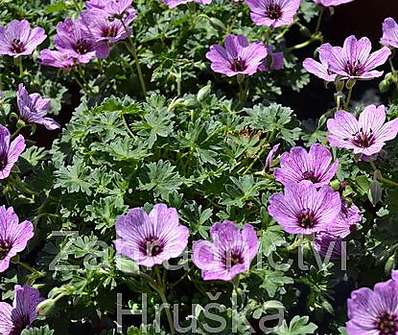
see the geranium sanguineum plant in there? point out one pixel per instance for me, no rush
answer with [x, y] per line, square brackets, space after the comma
[74, 38]
[21, 314]
[390, 33]
[366, 135]
[316, 166]
[33, 108]
[229, 253]
[9, 151]
[14, 236]
[374, 312]
[19, 39]
[273, 13]
[151, 239]
[305, 209]
[237, 56]
[114, 9]
[353, 61]
[103, 29]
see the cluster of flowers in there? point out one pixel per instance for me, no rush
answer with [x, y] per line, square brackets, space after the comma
[239, 57]
[309, 206]
[271, 13]
[14, 237]
[100, 26]
[33, 110]
[152, 239]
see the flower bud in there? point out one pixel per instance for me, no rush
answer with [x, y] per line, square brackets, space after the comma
[45, 307]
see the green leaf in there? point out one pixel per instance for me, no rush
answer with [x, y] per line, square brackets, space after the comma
[363, 184]
[298, 326]
[272, 238]
[273, 118]
[126, 265]
[75, 177]
[161, 178]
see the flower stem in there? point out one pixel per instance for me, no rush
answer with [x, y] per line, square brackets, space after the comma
[161, 290]
[81, 85]
[18, 62]
[127, 126]
[131, 47]
[349, 96]
[235, 293]
[318, 24]
[28, 268]
[243, 86]
[168, 313]
[158, 284]
[77, 5]
[313, 38]
[380, 178]
[388, 182]
[392, 65]
[20, 185]
[17, 131]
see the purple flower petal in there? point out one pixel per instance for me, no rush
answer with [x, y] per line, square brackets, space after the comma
[230, 252]
[365, 136]
[303, 209]
[33, 108]
[9, 152]
[238, 56]
[14, 236]
[14, 319]
[390, 33]
[18, 39]
[151, 239]
[58, 59]
[315, 166]
[353, 61]
[273, 13]
[374, 312]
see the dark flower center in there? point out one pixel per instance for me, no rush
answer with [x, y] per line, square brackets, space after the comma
[238, 65]
[354, 68]
[109, 31]
[5, 248]
[310, 175]
[307, 219]
[82, 46]
[364, 140]
[20, 324]
[274, 11]
[17, 46]
[232, 258]
[387, 324]
[151, 246]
